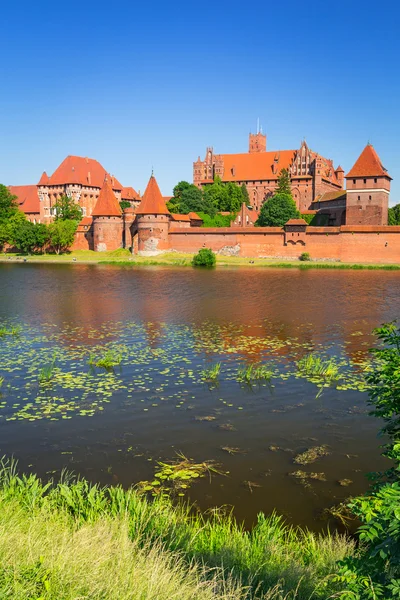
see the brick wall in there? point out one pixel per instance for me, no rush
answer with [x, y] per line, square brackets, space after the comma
[347, 244]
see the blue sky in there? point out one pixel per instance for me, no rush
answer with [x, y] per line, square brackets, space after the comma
[148, 85]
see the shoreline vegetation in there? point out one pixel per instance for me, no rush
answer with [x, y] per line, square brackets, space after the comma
[72, 539]
[123, 257]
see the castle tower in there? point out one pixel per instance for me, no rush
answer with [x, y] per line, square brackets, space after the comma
[257, 142]
[340, 175]
[152, 220]
[367, 190]
[107, 220]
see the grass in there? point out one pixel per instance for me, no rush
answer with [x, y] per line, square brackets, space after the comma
[1, 381]
[13, 330]
[253, 372]
[313, 365]
[47, 372]
[77, 540]
[123, 257]
[211, 373]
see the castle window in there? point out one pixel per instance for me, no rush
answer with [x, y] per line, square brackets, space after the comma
[354, 181]
[359, 198]
[370, 197]
[365, 181]
[375, 180]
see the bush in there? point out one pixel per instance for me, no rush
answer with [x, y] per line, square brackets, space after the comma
[204, 258]
[304, 256]
[217, 221]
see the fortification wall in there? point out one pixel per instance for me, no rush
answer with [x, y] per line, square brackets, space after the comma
[348, 244]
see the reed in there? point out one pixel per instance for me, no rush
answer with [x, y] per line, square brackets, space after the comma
[254, 372]
[313, 365]
[108, 360]
[47, 372]
[212, 373]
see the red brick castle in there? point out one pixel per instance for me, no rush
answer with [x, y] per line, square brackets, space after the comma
[317, 185]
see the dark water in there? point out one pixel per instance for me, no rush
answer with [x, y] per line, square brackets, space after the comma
[169, 324]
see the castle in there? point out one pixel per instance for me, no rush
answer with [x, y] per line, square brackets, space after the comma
[357, 228]
[79, 178]
[317, 186]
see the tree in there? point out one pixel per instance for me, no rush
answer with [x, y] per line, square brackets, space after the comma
[374, 571]
[204, 258]
[8, 203]
[67, 209]
[245, 194]
[26, 236]
[217, 195]
[235, 195]
[124, 204]
[284, 186]
[394, 215]
[187, 198]
[277, 211]
[62, 234]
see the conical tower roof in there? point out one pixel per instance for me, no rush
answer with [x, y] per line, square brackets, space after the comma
[44, 180]
[152, 203]
[107, 204]
[368, 164]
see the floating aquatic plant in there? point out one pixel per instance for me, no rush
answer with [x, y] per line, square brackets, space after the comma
[178, 475]
[311, 455]
[109, 359]
[304, 477]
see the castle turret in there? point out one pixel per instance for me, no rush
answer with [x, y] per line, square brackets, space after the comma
[107, 220]
[340, 175]
[367, 190]
[153, 218]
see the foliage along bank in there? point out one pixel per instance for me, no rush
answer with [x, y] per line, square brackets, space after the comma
[16, 231]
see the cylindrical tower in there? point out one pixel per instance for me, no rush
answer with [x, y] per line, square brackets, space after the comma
[107, 221]
[152, 218]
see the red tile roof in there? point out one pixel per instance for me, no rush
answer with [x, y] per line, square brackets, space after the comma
[28, 198]
[329, 196]
[83, 171]
[256, 165]
[368, 164]
[107, 204]
[296, 222]
[128, 193]
[176, 217]
[152, 202]
[194, 216]
[44, 180]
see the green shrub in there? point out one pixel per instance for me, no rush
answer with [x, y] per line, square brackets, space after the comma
[305, 256]
[217, 221]
[204, 258]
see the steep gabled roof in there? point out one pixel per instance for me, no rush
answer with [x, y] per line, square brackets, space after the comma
[128, 193]
[80, 170]
[368, 164]
[256, 165]
[152, 202]
[107, 204]
[28, 198]
[296, 222]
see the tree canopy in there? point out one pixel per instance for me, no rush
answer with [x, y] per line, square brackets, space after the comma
[8, 203]
[61, 234]
[214, 198]
[67, 209]
[276, 211]
[284, 186]
[394, 215]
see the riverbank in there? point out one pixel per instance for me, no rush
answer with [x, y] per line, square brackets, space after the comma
[179, 259]
[72, 539]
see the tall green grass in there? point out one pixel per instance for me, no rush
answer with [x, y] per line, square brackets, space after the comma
[77, 540]
[254, 372]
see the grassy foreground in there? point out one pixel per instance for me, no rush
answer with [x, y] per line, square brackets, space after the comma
[72, 540]
[181, 259]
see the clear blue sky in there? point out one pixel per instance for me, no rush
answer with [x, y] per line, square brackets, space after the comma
[137, 85]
